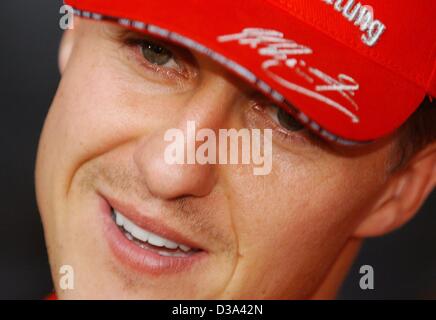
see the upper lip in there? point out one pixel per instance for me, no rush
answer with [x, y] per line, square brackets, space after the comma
[150, 224]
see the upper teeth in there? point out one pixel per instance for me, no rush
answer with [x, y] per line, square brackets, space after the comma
[146, 236]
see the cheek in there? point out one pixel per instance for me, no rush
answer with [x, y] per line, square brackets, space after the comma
[94, 111]
[320, 194]
[84, 122]
[296, 220]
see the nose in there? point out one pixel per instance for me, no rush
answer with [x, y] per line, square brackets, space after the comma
[209, 107]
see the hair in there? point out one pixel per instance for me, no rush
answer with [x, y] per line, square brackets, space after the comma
[418, 131]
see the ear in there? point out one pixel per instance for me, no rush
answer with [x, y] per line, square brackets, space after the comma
[66, 47]
[403, 195]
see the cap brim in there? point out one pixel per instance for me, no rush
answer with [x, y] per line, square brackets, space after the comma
[337, 92]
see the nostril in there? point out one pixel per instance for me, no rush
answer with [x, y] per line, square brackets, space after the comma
[179, 180]
[170, 181]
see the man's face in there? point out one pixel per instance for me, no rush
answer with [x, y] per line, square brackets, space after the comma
[239, 235]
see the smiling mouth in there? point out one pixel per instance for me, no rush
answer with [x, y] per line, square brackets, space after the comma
[150, 241]
[146, 244]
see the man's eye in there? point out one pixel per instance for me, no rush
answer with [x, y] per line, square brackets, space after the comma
[155, 54]
[284, 119]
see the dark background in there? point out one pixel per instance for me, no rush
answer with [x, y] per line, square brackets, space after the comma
[404, 262]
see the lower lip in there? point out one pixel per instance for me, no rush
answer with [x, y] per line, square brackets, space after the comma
[139, 259]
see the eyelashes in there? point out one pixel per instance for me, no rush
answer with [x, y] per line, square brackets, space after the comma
[286, 129]
[156, 54]
[283, 118]
[162, 61]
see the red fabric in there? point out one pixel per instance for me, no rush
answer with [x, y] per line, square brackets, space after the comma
[393, 75]
[51, 296]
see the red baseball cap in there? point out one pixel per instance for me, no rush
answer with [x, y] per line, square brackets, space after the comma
[353, 71]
